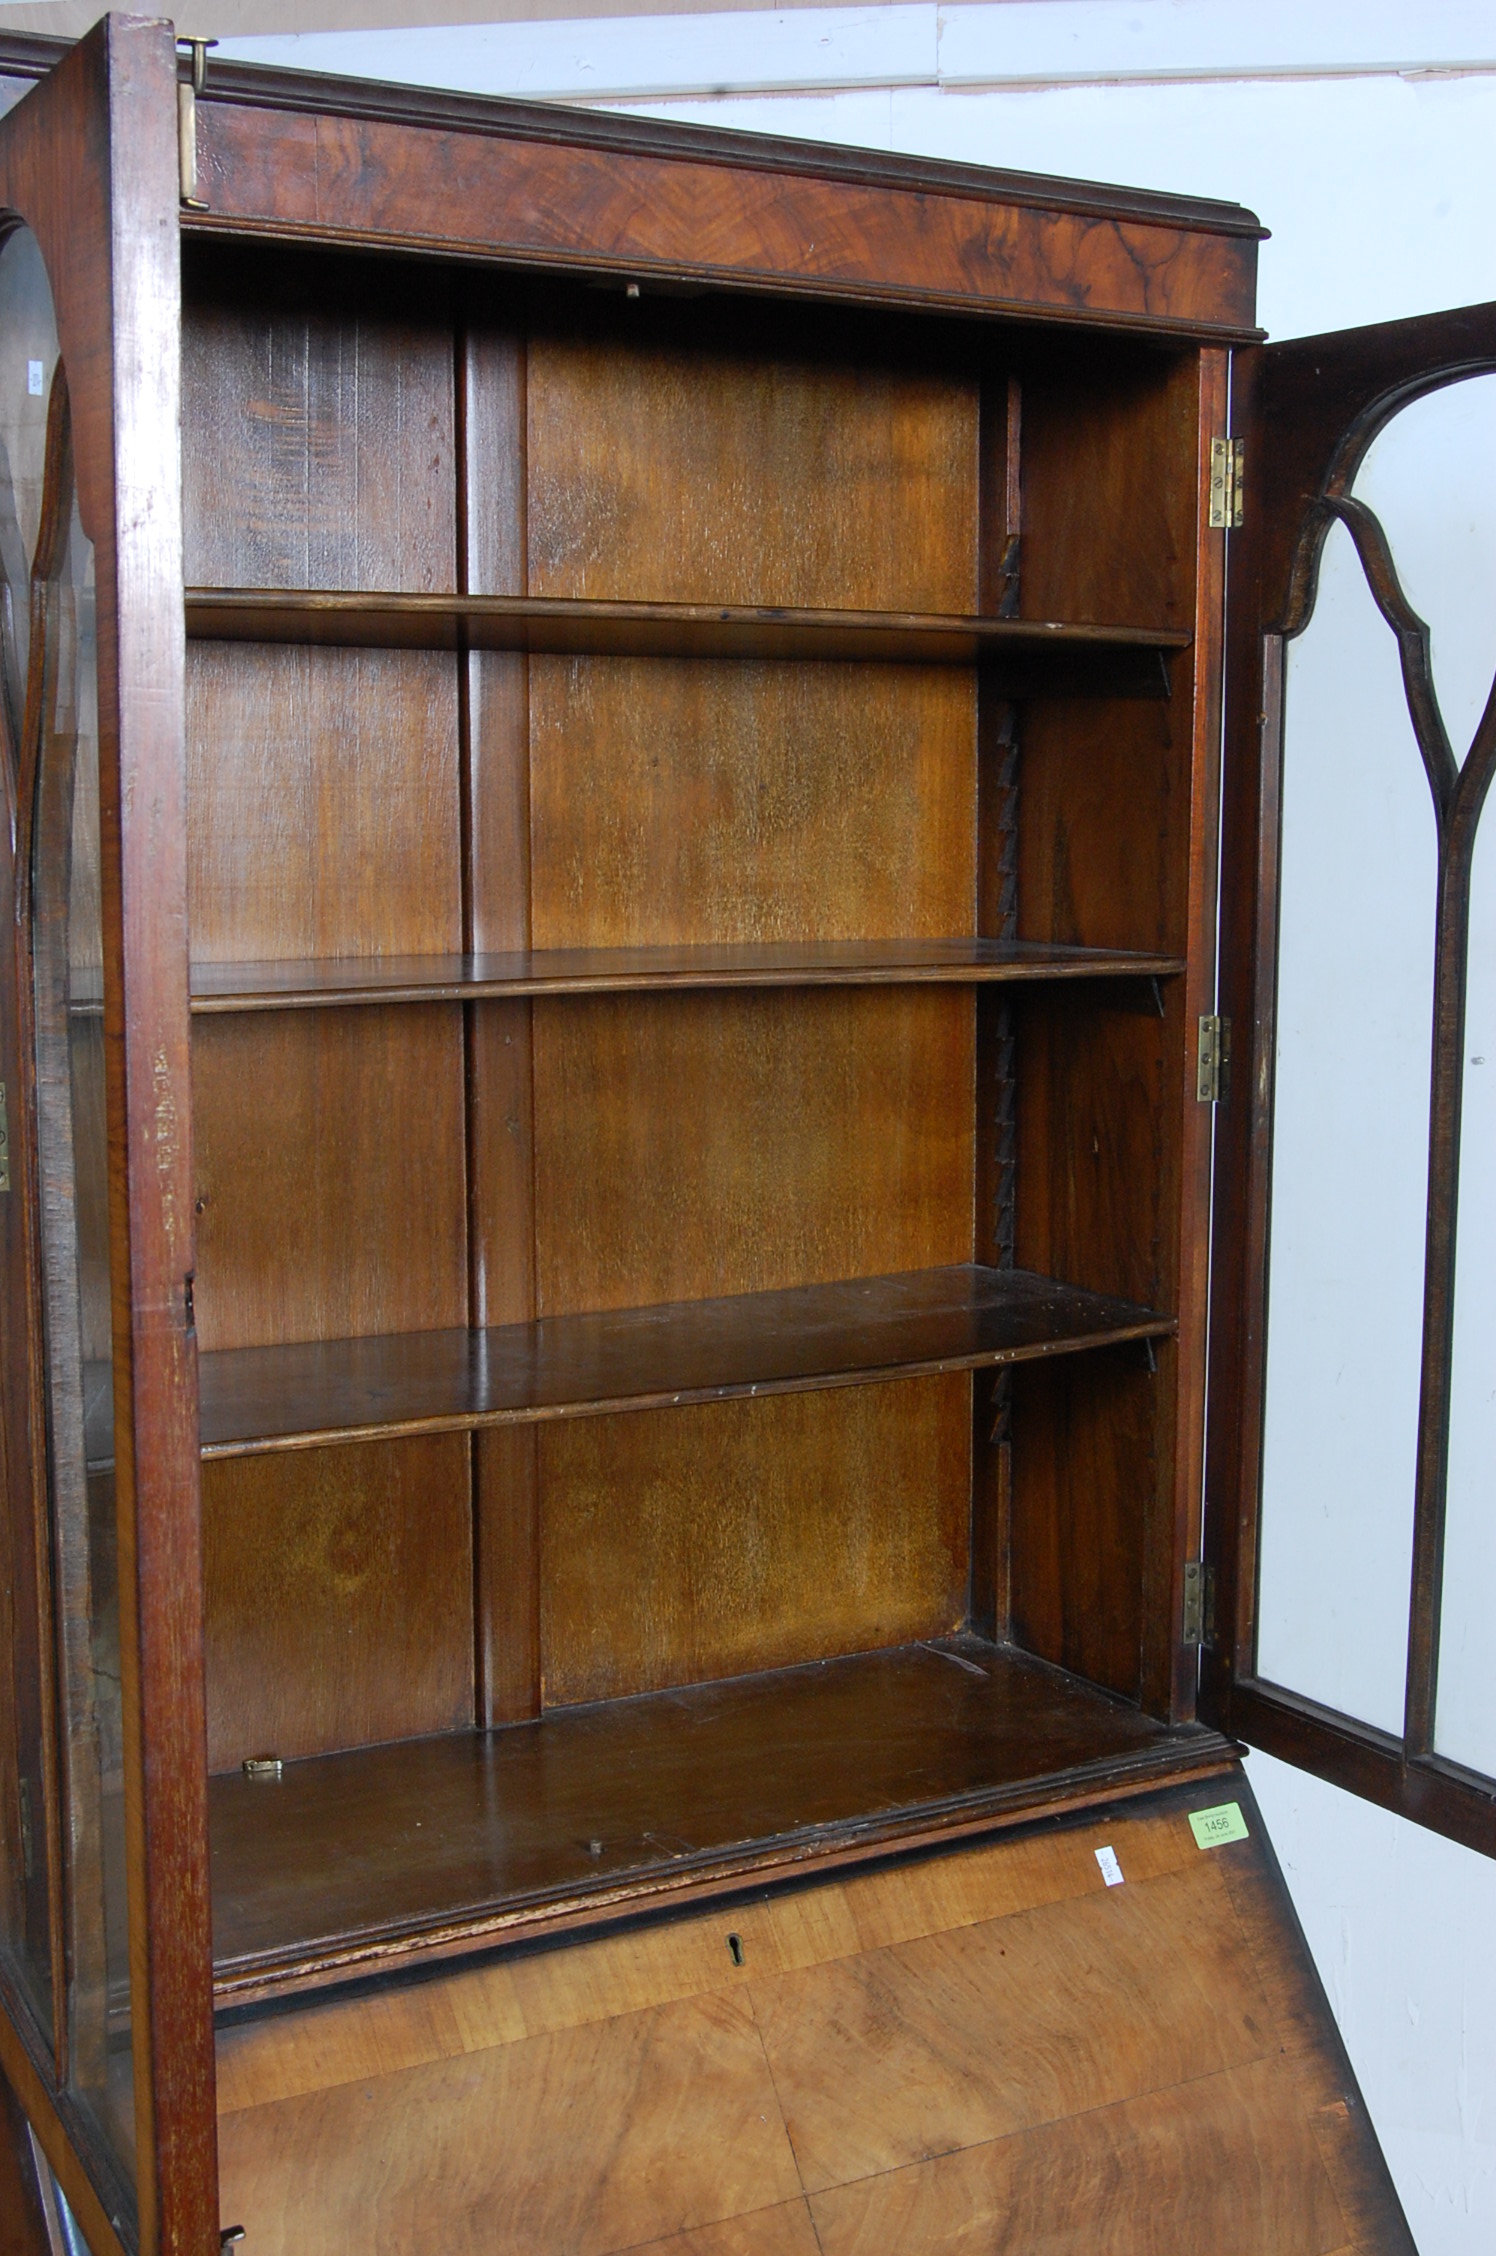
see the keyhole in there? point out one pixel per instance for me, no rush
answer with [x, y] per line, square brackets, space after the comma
[735, 1946]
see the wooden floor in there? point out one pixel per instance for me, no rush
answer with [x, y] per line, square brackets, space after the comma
[986, 2050]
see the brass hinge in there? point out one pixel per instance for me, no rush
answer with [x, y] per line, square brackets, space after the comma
[188, 91]
[1228, 466]
[1213, 1059]
[4, 1141]
[1198, 1627]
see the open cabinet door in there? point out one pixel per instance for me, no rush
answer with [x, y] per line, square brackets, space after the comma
[1351, 1435]
[105, 2033]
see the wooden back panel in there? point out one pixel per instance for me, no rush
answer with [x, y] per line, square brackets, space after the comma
[751, 1535]
[1109, 518]
[985, 2048]
[682, 801]
[699, 1145]
[424, 1165]
[325, 818]
[667, 474]
[318, 424]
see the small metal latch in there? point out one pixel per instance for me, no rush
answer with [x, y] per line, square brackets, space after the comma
[1213, 1059]
[229, 2235]
[1198, 1627]
[263, 1766]
[188, 91]
[1227, 476]
[4, 1141]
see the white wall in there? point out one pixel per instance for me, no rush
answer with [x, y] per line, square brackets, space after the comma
[1364, 133]
[1401, 1926]
[1377, 181]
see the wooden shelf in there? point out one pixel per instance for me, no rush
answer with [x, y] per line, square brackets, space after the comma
[1028, 653]
[851, 1333]
[348, 1862]
[601, 971]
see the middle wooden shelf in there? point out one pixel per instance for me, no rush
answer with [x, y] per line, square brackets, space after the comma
[959, 961]
[1062, 657]
[853, 1332]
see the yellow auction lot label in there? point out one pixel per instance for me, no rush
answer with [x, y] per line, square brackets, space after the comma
[1212, 1827]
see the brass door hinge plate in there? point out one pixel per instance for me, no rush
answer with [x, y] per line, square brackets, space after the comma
[4, 1141]
[188, 90]
[1198, 1625]
[1227, 476]
[1213, 1059]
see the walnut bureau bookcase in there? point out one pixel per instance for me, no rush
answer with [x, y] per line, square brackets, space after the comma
[610, 1054]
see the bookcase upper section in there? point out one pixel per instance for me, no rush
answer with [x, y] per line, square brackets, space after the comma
[636, 201]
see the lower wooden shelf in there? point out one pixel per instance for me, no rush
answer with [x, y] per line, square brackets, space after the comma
[855, 1331]
[348, 1864]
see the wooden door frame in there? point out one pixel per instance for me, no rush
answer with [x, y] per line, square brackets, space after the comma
[1308, 410]
[88, 161]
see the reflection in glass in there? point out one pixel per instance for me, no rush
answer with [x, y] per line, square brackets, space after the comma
[1350, 1161]
[72, 1145]
[28, 356]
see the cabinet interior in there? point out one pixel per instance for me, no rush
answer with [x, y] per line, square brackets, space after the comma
[688, 1053]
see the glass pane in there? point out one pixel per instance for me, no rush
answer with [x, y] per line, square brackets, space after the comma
[1442, 530]
[1350, 1160]
[28, 1831]
[67, 966]
[28, 355]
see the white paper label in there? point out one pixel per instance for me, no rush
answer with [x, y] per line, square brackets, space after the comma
[35, 375]
[1111, 1871]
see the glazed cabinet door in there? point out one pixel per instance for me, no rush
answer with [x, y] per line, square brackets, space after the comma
[104, 1941]
[1353, 1413]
